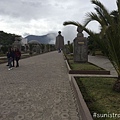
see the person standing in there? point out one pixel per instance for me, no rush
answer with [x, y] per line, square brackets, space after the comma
[13, 56]
[17, 56]
[59, 42]
[9, 57]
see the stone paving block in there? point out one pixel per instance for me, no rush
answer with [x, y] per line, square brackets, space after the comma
[37, 90]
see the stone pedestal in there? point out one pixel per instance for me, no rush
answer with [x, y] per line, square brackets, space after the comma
[80, 48]
[38, 49]
[45, 48]
[59, 42]
[17, 43]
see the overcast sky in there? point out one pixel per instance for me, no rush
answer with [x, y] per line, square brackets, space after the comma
[39, 17]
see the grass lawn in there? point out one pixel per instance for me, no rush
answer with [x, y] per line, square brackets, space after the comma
[83, 66]
[69, 56]
[100, 97]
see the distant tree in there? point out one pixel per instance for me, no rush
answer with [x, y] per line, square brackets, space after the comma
[48, 47]
[42, 47]
[4, 49]
[30, 48]
[22, 48]
[70, 47]
[7, 38]
[93, 45]
[52, 47]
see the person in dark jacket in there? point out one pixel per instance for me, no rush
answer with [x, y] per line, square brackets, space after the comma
[17, 56]
[13, 56]
[9, 57]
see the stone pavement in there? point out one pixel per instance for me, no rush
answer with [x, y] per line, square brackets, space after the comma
[104, 63]
[38, 90]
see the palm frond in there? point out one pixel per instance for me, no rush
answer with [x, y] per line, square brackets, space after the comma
[115, 15]
[118, 6]
[103, 8]
[79, 25]
[101, 15]
[100, 5]
[103, 31]
[92, 17]
[113, 37]
[71, 23]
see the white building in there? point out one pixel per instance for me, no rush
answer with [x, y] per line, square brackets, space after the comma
[24, 41]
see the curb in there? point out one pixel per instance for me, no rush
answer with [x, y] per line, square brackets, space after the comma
[82, 106]
[99, 72]
[87, 75]
[83, 109]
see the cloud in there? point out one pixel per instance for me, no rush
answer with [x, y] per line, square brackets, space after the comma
[52, 37]
[69, 33]
[40, 17]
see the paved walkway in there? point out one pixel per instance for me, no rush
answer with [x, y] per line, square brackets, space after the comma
[38, 90]
[103, 62]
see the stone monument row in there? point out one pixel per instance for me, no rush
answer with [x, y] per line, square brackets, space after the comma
[80, 47]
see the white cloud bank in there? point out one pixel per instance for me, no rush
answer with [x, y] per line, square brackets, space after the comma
[39, 17]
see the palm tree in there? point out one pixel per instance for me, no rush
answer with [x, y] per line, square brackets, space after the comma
[109, 36]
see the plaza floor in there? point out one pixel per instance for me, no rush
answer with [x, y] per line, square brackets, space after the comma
[37, 90]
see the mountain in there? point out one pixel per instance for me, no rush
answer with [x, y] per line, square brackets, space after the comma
[7, 38]
[44, 39]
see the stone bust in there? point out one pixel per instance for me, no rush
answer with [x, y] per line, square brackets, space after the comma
[59, 32]
[80, 30]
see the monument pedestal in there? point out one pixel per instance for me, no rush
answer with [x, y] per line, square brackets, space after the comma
[17, 43]
[80, 48]
[59, 42]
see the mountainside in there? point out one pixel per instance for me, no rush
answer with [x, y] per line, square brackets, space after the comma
[44, 39]
[7, 38]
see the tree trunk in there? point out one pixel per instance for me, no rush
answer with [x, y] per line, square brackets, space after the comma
[116, 86]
